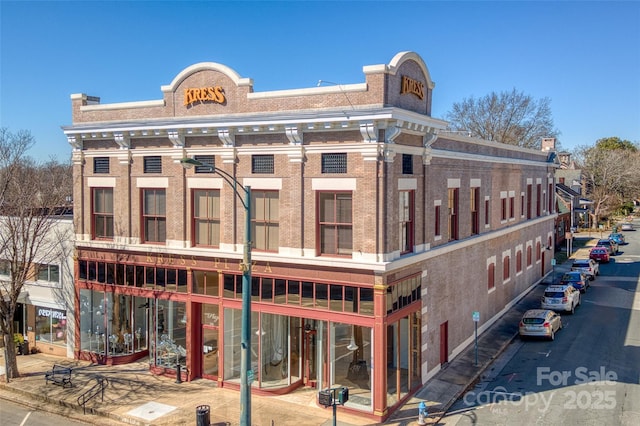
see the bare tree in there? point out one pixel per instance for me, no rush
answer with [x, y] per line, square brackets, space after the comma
[611, 173]
[32, 197]
[508, 117]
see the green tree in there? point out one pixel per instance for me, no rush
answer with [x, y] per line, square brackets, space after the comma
[511, 117]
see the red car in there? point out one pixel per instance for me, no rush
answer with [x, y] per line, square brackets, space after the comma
[599, 254]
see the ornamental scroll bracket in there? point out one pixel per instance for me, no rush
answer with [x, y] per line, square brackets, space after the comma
[227, 137]
[76, 144]
[123, 141]
[369, 132]
[293, 134]
[176, 138]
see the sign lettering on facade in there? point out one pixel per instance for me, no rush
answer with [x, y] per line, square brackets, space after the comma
[410, 85]
[204, 94]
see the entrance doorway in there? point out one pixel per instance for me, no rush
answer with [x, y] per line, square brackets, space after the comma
[444, 342]
[309, 354]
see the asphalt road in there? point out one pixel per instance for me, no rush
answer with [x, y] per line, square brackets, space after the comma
[12, 414]
[589, 375]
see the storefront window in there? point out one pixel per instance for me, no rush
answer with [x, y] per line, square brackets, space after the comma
[113, 325]
[351, 358]
[51, 325]
[274, 350]
[171, 333]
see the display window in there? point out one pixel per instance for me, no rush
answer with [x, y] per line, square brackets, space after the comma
[51, 325]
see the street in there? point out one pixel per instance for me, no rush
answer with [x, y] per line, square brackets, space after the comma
[589, 375]
[16, 414]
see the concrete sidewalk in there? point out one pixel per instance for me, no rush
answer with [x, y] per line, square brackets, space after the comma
[136, 397]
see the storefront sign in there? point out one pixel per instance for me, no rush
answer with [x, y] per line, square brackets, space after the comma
[204, 94]
[53, 313]
[410, 85]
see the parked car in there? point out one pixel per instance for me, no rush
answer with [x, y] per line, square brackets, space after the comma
[540, 323]
[599, 254]
[626, 226]
[577, 279]
[561, 298]
[589, 266]
[618, 238]
[610, 244]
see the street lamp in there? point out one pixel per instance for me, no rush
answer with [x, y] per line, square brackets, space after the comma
[244, 194]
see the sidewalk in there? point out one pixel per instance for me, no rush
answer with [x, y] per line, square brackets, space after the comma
[136, 397]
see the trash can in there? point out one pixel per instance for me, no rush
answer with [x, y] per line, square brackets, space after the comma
[202, 415]
[24, 348]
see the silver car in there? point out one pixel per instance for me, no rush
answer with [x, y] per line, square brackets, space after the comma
[560, 298]
[589, 267]
[540, 323]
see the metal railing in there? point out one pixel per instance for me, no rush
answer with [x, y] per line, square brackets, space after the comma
[97, 389]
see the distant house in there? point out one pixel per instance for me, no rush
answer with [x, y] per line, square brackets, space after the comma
[44, 313]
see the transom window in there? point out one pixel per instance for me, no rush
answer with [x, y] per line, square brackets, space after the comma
[154, 220]
[208, 161]
[153, 164]
[407, 164]
[334, 163]
[335, 223]
[262, 164]
[101, 165]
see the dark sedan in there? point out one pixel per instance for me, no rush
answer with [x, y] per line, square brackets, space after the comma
[577, 279]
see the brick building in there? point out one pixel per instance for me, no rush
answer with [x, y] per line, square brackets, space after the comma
[376, 234]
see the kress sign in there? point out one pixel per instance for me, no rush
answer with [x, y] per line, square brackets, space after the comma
[204, 94]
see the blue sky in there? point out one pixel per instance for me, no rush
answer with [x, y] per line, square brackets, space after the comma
[583, 56]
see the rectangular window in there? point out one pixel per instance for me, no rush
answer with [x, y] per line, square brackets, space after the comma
[47, 272]
[529, 200]
[475, 211]
[102, 213]
[265, 220]
[334, 163]
[206, 217]
[512, 207]
[406, 221]
[491, 276]
[101, 165]
[453, 213]
[503, 209]
[153, 164]
[154, 220]
[262, 164]
[208, 161]
[51, 326]
[519, 261]
[335, 225]
[506, 267]
[5, 267]
[487, 211]
[522, 204]
[551, 197]
[436, 221]
[407, 164]
[538, 200]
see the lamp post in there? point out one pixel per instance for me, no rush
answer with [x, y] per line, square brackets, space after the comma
[244, 194]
